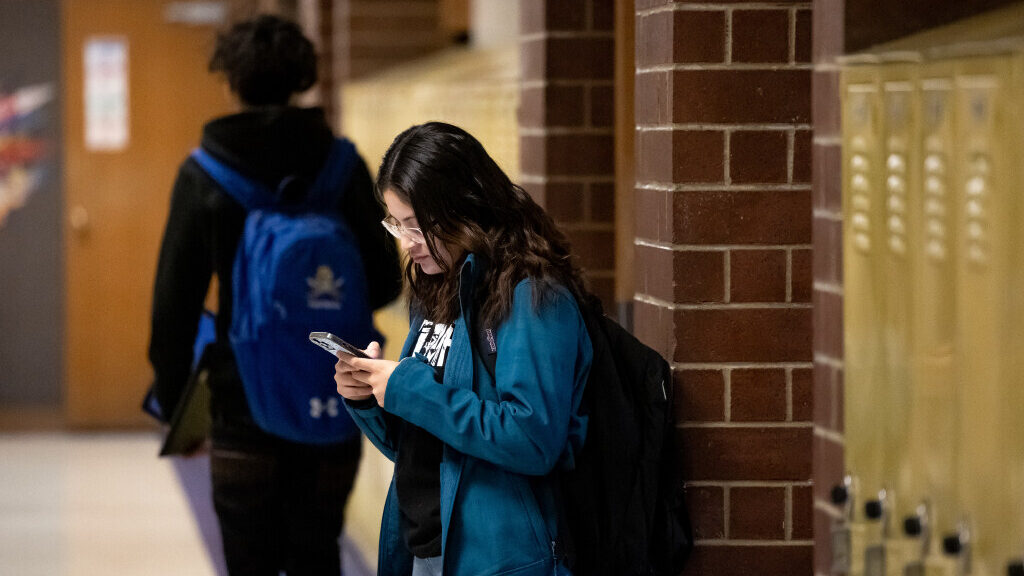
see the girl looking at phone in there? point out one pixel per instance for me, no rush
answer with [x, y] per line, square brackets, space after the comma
[474, 450]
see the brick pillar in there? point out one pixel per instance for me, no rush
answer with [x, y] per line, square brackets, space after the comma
[723, 258]
[828, 274]
[371, 35]
[325, 60]
[317, 21]
[566, 121]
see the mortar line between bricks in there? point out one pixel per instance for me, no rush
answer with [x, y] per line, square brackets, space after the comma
[827, 215]
[831, 141]
[834, 399]
[740, 365]
[826, 360]
[726, 67]
[679, 8]
[726, 511]
[727, 157]
[727, 276]
[828, 288]
[727, 393]
[789, 394]
[559, 179]
[829, 435]
[723, 126]
[792, 35]
[647, 299]
[788, 521]
[719, 7]
[728, 36]
[566, 131]
[737, 425]
[789, 275]
[769, 543]
[719, 247]
[585, 226]
[565, 82]
[720, 187]
[748, 306]
[790, 154]
[566, 35]
[749, 483]
[828, 508]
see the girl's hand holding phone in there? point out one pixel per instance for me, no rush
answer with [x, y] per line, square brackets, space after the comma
[361, 378]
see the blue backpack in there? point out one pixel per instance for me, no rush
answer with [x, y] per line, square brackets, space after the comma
[297, 270]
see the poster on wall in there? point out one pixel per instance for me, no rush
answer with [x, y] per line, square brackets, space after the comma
[24, 117]
[106, 93]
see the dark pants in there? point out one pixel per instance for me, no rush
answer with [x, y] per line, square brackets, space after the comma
[281, 506]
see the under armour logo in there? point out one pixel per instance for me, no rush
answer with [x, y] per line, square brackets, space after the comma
[317, 407]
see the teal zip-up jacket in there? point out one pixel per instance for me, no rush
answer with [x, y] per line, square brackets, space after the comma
[502, 437]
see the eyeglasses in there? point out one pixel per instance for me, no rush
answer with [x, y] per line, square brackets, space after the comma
[414, 235]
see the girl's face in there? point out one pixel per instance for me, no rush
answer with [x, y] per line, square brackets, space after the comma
[410, 238]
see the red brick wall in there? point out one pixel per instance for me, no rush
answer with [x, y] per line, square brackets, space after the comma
[566, 121]
[723, 258]
[371, 35]
[828, 274]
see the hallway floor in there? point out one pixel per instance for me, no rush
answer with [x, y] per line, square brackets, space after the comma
[89, 504]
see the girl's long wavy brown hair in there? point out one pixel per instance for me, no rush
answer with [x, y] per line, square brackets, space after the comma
[462, 199]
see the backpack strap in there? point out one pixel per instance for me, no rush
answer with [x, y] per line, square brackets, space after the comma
[332, 182]
[244, 190]
[252, 194]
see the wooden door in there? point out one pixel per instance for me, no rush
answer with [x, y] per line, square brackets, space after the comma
[116, 199]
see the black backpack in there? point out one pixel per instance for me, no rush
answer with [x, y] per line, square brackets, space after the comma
[623, 510]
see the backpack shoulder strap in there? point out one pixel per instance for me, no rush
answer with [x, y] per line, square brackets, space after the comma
[246, 191]
[323, 195]
[332, 182]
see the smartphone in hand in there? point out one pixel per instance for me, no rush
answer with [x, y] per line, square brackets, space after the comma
[333, 344]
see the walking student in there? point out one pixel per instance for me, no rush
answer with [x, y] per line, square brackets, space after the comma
[279, 495]
[483, 407]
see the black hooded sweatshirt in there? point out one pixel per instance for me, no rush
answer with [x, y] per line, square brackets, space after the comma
[203, 230]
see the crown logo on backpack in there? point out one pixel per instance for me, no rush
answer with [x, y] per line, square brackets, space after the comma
[324, 289]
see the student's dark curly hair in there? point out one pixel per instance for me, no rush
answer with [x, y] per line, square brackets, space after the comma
[266, 60]
[463, 199]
